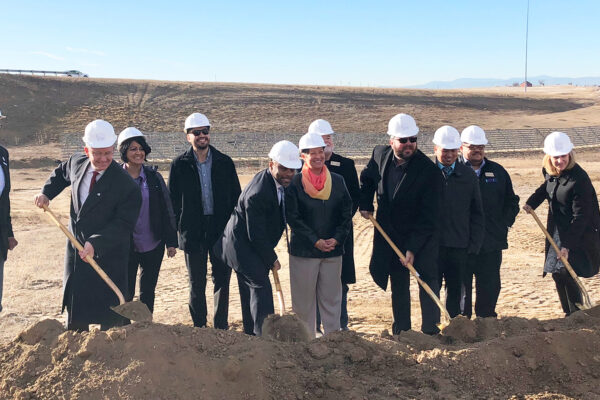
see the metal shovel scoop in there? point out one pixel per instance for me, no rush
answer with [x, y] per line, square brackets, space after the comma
[133, 310]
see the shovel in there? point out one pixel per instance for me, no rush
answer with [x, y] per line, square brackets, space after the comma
[279, 292]
[414, 272]
[133, 310]
[587, 304]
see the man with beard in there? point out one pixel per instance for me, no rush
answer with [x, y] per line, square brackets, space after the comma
[344, 167]
[500, 206]
[461, 230]
[204, 189]
[408, 187]
[253, 231]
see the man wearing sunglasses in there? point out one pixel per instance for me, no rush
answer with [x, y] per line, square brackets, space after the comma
[204, 189]
[500, 206]
[408, 187]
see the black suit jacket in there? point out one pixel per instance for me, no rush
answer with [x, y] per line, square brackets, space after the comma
[5, 221]
[106, 219]
[410, 219]
[186, 195]
[253, 230]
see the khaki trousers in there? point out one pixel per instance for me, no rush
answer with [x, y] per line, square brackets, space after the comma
[312, 280]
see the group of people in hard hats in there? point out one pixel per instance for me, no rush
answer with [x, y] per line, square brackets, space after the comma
[448, 216]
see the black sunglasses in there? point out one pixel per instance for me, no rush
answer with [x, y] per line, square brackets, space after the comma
[412, 139]
[198, 132]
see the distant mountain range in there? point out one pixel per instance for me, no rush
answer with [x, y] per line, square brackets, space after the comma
[466, 83]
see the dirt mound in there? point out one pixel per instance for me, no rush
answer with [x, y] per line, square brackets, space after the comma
[286, 328]
[507, 357]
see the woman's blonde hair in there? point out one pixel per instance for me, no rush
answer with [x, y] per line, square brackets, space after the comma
[550, 169]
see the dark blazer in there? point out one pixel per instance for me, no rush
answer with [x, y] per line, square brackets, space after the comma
[345, 167]
[186, 195]
[410, 219]
[6, 230]
[162, 218]
[500, 205]
[253, 230]
[462, 216]
[106, 220]
[573, 210]
[313, 219]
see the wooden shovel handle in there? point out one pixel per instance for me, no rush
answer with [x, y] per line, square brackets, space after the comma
[89, 259]
[279, 292]
[586, 297]
[411, 269]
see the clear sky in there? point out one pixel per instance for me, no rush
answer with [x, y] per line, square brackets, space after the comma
[370, 43]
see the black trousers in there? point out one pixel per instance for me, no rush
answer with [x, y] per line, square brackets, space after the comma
[149, 262]
[256, 298]
[221, 274]
[451, 267]
[569, 293]
[486, 269]
[400, 285]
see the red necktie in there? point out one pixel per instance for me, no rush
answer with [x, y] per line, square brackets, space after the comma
[93, 182]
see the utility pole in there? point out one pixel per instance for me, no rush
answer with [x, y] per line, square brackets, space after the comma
[526, 42]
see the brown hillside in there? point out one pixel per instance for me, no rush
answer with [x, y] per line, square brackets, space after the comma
[39, 109]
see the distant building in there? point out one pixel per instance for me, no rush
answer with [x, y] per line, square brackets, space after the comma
[526, 83]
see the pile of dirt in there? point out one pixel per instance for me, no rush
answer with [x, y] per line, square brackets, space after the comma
[506, 358]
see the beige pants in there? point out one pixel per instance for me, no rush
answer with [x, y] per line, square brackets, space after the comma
[312, 280]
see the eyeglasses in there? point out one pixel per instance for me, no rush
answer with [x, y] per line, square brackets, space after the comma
[412, 139]
[203, 131]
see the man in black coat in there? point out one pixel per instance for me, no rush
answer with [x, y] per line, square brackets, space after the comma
[253, 231]
[408, 187]
[105, 203]
[500, 207]
[7, 238]
[461, 217]
[344, 167]
[204, 189]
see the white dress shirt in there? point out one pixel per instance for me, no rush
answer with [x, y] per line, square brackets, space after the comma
[84, 186]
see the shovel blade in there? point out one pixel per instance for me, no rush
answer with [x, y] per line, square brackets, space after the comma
[134, 310]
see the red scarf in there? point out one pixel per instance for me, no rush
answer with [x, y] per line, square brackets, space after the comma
[318, 181]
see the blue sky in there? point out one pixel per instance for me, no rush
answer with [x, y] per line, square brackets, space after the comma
[371, 43]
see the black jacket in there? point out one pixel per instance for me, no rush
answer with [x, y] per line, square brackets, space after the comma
[345, 167]
[462, 213]
[573, 210]
[106, 220]
[313, 219]
[186, 195]
[254, 229]
[500, 205]
[5, 221]
[162, 218]
[410, 219]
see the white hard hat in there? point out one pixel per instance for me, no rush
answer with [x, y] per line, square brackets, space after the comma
[402, 125]
[195, 120]
[447, 138]
[473, 135]
[99, 134]
[321, 127]
[286, 153]
[128, 133]
[557, 144]
[311, 141]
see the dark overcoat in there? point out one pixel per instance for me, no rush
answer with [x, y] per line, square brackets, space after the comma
[573, 210]
[345, 167]
[195, 232]
[254, 229]
[410, 218]
[106, 220]
[5, 221]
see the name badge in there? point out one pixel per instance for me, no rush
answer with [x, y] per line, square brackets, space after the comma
[489, 174]
[335, 163]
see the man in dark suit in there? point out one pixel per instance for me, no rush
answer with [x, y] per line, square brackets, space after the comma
[105, 203]
[7, 238]
[253, 231]
[344, 167]
[408, 187]
[204, 189]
